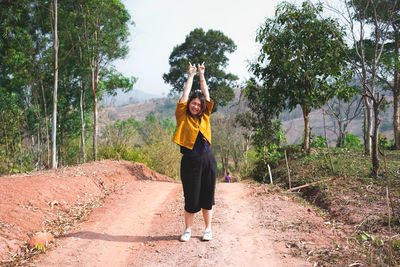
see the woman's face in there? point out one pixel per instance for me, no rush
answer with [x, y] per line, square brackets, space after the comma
[195, 107]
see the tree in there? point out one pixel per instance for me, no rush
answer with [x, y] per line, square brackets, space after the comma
[27, 70]
[367, 60]
[209, 47]
[389, 73]
[221, 136]
[55, 47]
[266, 129]
[300, 57]
[344, 108]
[342, 114]
[17, 59]
[105, 33]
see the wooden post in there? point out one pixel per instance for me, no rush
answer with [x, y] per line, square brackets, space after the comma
[288, 171]
[270, 175]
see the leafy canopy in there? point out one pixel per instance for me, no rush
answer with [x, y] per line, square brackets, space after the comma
[209, 47]
[300, 60]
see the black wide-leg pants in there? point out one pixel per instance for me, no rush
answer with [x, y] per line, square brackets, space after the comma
[199, 175]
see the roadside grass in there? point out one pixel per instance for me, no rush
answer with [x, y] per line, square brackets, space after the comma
[353, 199]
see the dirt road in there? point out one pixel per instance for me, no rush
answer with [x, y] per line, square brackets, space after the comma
[140, 224]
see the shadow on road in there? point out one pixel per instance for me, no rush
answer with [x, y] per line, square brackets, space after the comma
[118, 238]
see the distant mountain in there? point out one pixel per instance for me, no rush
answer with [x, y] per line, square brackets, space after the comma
[132, 97]
[162, 108]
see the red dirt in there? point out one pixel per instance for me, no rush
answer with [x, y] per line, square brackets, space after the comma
[139, 221]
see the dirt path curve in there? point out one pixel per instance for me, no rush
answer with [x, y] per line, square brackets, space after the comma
[140, 224]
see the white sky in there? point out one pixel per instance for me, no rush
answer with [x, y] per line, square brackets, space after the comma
[160, 25]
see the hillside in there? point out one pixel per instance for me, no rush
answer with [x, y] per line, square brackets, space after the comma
[119, 98]
[294, 127]
[292, 123]
[163, 108]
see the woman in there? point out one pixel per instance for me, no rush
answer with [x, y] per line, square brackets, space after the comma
[198, 165]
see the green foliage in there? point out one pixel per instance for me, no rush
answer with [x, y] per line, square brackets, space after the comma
[89, 32]
[157, 145]
[300, 61]
[396, 244]
[351, 141]
[118, 141]
[267, 137]
[169, 125]
[147, 142]
[14, 156]
[303, 54]
[113, 80]
[133, 154]
[368, 237]
[269, 154]
[384, 143]
[319, 142]
[209, 47]
[249, 164]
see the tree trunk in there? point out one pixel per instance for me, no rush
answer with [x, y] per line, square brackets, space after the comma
[368, 127]
[83, 155]
[94, 89]
[396, 95]
[226, 164]
[306, 117]
[223, 164]
[396, 117]
[54, 123]
[82, 107]
[46, 124]
[375, 143]
[39, 134]
[341, 136]
[59, 149]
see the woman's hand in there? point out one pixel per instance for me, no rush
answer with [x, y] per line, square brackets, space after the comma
[203, 84]
[192, 69]
[201, 68]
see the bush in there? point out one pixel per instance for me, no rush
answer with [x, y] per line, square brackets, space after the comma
[384, 143]
[247, 166]
[133, 154]
[351, 141]
[319, 142]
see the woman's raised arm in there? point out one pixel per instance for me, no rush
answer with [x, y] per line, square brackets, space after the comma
[203, 84]
[188, 84]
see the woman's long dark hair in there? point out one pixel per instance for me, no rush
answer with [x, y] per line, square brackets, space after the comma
[200, 96]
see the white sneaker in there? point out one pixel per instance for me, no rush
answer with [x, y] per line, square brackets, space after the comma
[186, 235]
[207, 235]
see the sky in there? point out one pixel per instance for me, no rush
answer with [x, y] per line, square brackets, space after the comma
[160, 25]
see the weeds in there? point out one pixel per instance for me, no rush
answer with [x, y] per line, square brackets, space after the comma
[357, 201]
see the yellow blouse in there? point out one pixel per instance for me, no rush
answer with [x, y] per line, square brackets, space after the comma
[188, 127]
